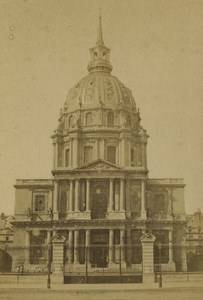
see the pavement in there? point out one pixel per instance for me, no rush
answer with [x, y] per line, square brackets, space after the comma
[102, 291]
[102, 287]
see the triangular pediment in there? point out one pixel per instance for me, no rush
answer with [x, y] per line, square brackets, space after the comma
[100, 165]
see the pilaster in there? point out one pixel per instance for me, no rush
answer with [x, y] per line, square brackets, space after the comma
[55, 200]
[143, 211]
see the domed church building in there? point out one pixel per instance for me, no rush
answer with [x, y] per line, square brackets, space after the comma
[100, 218]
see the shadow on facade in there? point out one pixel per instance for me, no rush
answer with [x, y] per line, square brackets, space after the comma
[5, 261]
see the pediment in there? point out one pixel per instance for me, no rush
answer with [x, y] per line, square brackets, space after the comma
[100, 165]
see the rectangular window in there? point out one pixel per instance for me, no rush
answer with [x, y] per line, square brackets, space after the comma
[38, 250]
[111, 154]
[159, 203]
[67, 158]
[88, 154]
[40, 203]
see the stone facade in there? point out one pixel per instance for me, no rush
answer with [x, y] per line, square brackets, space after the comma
[194, 240]
[6, 242]
[101, 200]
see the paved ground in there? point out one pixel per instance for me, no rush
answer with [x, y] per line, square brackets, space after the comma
[100, 292]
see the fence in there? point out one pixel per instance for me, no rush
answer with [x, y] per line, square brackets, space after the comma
[98, 258]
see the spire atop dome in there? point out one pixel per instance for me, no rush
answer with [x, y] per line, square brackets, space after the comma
[99, 54]
[100, 36]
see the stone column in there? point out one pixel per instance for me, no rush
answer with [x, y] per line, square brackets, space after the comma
[77, 195]
[48, 237]
[170, 197]
[70, 247]
[170, 246]
[96, 149]
[87, 195]
[48, 244]
[129, 247]
[111, 195]
[123, 151]
[143, 211]
[87, 244]
[27, 247]
[56, 155]
[55, 200]
[76, 246]
[122, 194]
[101, 148]
[146, 155]
[75, 151]
[122, 244]
[71, 196]
[129, 151]
[183, 255]
[120, 152]
[111, 246]
[147, 241]
[143, 155]
[71, 152]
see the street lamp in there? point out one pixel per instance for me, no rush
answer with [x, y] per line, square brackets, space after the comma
[49, 266]
[160, 273]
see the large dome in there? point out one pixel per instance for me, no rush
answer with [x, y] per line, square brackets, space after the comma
[99, 88]
[99, 96]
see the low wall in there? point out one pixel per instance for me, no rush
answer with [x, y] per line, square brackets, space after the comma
[41, 279]
[23, 278]
[183, 277]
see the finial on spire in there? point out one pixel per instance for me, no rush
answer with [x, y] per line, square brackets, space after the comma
[100, 36]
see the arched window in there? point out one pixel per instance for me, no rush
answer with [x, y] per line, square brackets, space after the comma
[110, 119]
[88, 154]
[70, 121]
[89, 119]
[111, 154]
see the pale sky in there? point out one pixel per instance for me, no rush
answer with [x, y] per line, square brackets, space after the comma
[157, 51]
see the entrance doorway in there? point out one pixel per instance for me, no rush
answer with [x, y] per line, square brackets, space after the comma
[100, 255]
[99, 201]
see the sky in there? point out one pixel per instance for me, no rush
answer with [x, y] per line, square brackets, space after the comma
[156, 50]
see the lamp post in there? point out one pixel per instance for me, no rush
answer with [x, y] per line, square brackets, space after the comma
[49, 266]
[160, 273]
[50, 214]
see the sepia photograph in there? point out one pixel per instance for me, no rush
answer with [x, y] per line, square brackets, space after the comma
[101, 149]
